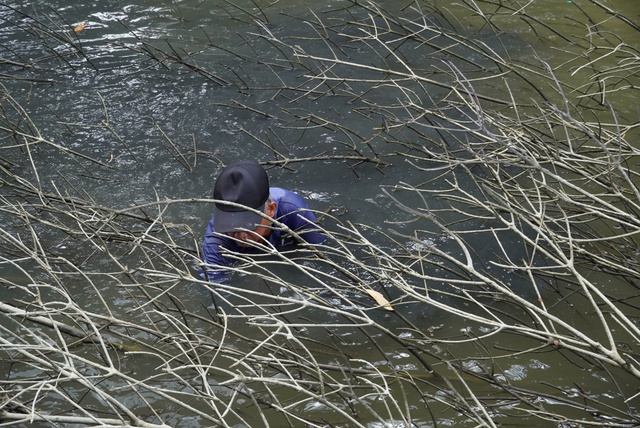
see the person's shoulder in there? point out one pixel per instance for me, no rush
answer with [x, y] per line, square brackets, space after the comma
[288, 198]
[211, 237]
[277, 193]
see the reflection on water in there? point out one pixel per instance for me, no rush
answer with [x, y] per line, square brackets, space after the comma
[140, 95]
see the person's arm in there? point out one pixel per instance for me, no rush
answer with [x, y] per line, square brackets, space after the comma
[214, 262]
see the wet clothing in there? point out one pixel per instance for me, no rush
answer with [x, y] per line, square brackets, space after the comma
[291, 210]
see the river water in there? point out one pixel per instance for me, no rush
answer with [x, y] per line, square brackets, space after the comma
[158, 95]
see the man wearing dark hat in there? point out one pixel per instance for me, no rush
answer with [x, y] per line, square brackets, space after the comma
[242, 192]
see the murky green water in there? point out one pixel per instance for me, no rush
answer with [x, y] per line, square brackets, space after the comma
[151, 128]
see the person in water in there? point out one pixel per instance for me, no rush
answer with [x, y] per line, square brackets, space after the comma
[242, 192]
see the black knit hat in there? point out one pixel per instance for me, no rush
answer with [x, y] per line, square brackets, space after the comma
[245, 183]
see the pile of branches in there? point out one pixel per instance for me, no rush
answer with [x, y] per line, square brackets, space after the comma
[553, 171]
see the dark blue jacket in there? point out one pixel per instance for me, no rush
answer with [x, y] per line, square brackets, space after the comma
[291, 210]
